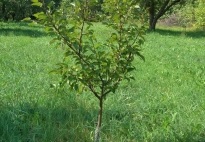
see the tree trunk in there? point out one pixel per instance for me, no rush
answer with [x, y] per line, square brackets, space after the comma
[152, 20]
[4, 14]
[152, 24]
[155, 15]
[98, 127]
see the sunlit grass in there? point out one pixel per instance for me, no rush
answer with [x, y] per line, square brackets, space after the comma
[165, 102]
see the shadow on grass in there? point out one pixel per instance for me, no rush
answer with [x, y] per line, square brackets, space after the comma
[34, 122]
[21, 29]
[22, 32]
[192, 34]
[31, 122]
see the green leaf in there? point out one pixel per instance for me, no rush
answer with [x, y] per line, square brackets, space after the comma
[40, 16]
[39, 4]
[27, 19]
[51, 4]
[34, 1]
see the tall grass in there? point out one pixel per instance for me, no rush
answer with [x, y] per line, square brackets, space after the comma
[165, 102]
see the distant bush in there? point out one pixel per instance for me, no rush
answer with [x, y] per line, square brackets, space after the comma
[200, 14]
[17, 10]
[192, 15]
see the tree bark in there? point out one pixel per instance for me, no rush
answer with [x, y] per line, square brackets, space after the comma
[152, 15]
[152, 25]
[99, 123]
[4, 14]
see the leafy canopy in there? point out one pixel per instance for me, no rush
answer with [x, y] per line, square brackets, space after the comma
[89, 62]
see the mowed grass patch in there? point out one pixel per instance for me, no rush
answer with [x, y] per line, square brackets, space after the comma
[165, 102]
[170, 85]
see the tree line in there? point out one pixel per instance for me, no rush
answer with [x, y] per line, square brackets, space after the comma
[17, 10]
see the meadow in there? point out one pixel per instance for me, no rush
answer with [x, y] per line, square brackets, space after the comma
[165, 102]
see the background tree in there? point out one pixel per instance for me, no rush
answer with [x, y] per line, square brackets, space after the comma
[157, 8]
[192, 14]
[19, 9]
[95, 8]
[200, 13]
[14, 9]
[89, 63]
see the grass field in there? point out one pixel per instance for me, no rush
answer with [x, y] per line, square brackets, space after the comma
[166, 102]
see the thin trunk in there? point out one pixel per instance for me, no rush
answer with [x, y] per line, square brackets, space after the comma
[4, 14]
[98, 127]
[3, 8]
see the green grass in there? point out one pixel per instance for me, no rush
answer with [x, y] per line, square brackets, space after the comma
[166, 102]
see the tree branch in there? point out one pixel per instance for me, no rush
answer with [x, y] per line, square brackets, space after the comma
[165, 7]
[82, 28]
[90, 86]
[81, 37]
[70, 45]
[172, 4]
[162, 9]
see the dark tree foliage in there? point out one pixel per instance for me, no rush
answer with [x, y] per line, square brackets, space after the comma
[17, 10]
[94, 6]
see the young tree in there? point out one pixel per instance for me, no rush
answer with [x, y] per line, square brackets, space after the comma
[89, 63]
[157, 8]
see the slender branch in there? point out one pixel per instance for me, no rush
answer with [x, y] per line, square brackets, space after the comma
[71, 46]
[135, 39]
[162, 9]
[121, 28]
[102, 85]
[173, 3]
[81, 37]
[108, 91]
[90, 86]
[82, 29]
